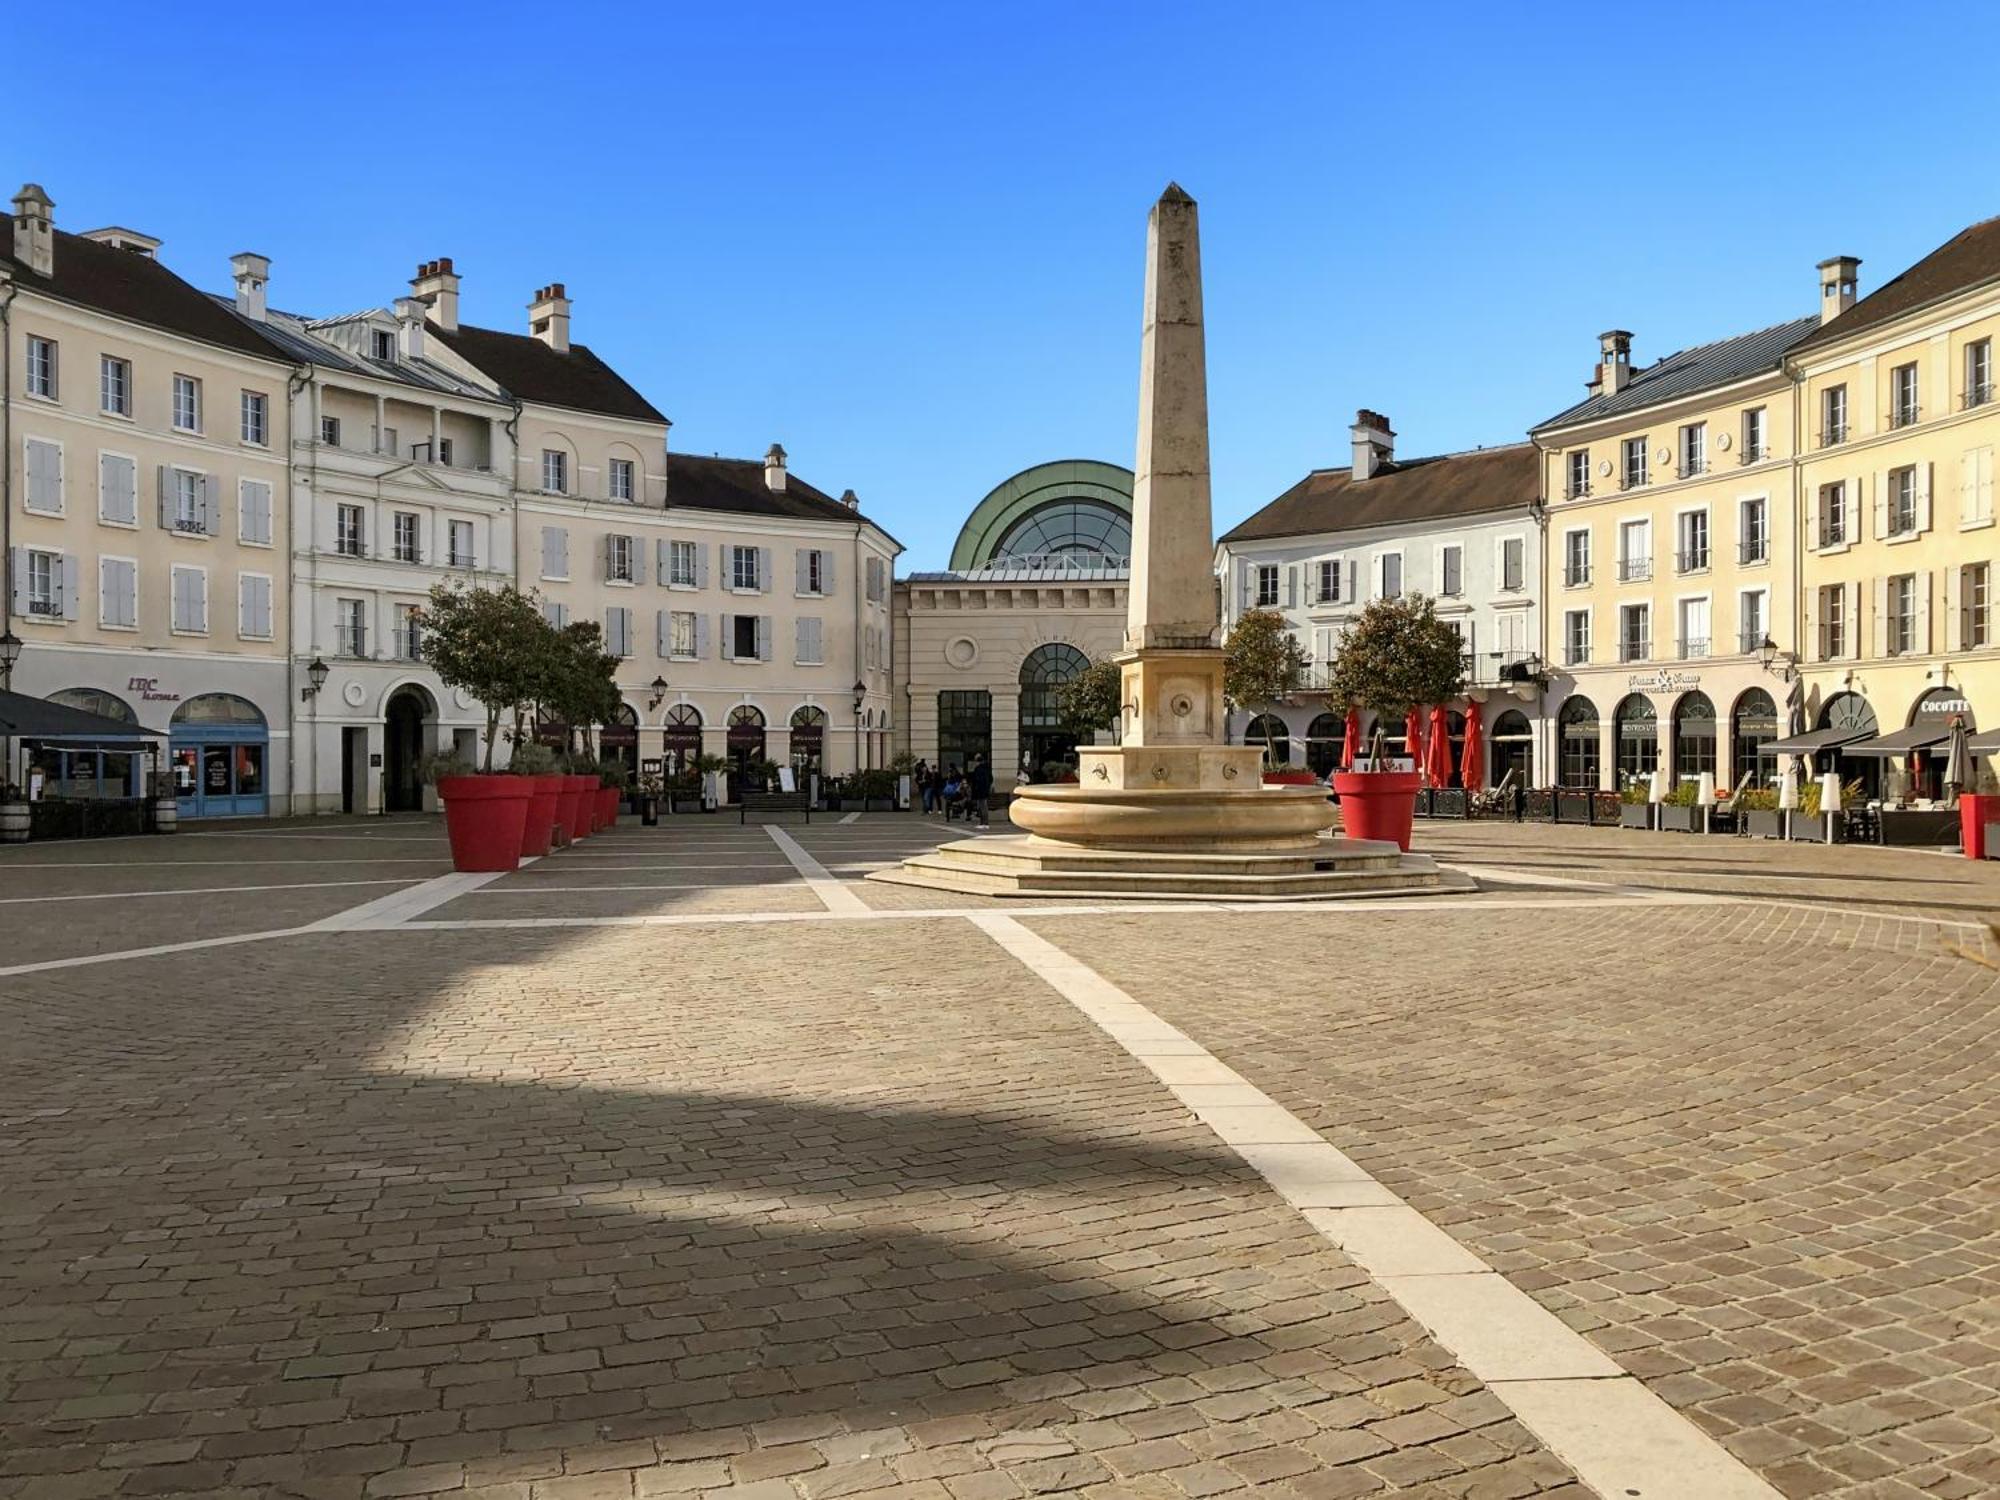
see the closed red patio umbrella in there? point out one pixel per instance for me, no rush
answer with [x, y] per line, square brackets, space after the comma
[1437, 753]
[1413, 738]
[1472, 759]
[1350, 740]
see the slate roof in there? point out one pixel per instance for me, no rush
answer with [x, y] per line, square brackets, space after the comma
[737, 484]
[1968, 259]
[1698, 369]
[137, 288]
[1419, 489]
[530, 369]
[295, 335]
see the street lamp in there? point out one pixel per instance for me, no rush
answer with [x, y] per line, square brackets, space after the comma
[659, 692]
[860, 696]
[10, 653]
[316, 676]
[1767, 652]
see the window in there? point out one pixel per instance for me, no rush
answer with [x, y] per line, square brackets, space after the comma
[1975, 481]
[812, 572]
[458, 541]
[1451, 572]
[1635, 728]
[681, 634]
[618, 559]
[1267, 585]
[555, 552]
[444, 451]
[1901, 502]
[555, 471]
[382, 343]
[1900, 615]
[189, 492]
[409, 644]
[1635, 551]
[1833, 415]
[384, 440]
[404, 544]
[1978, 372]
[1576, 637]
[1756, 441]
[118, 593]
[965, 725]
[190, 601]
[348, 540]
[1513, 564]
[45, 477]
[329, 431]
[42, 367]
[743, 637]
[555, 612]
[1903, 408]
[1392, 575]
[1634, 453]
[1576, 558]
[1692, 643]
[619, 479]
[618, 631]
[744, 572]
[683, 558]
[1974, 625]
[1692, 556]
[255, 414]
[1753, 530]
[1635, 632]
[114, 386]
[350, 627]
[187, 403]
[1832, 621]
[809, 651]
[877, 580]
[1694, 449]
[1832, 514]
[45, 584]
[1579, 474]
[253, 512]
[117, 490]
[1577, 748]
[1752, 622]
[1694, 736]
[253, 606]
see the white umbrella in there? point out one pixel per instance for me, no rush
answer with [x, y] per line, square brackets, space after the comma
[1788, 785]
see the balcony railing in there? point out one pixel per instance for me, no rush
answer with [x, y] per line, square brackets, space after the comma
[1634, 648]
[1692, 648]
[348, 546]
[1905, 416]
[1634, 569]
[409, 645]
[1833, 531]
[461, 560]
[1749, 455]
[1902, 520]
[1753, 550]
[1576, 653]
[1691, 468]
[1832, 642]
[1695, 561]
[1833, 437]
[407, 553]
[1750, 640]
[351, 640]
[1978, 395]
[1575, 491]
[1576, 575]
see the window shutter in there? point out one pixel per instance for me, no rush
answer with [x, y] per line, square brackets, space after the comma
[1954, 630]
[763, 572]
[1375, 576]
[72, 587]
[201, 601]
[800, 569]
[263, 620]
[800, 653]
[1923, 588]
[826, 574]
[44, 476]
[1985, 497]
[763, 637]
[1881, 622]
[211, 505]
[1881, 499]
[1242, 584]
[1968, 486]
[729, 638]
[162, 492]
[700, 566]
[1291, 585]
[700, 636]
[1852, 615]
[818, 641]
[1812, 519]
[660, 627]
[1922, 481]
[663, 561]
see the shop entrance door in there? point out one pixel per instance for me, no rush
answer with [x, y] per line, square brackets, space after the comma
[402, 751]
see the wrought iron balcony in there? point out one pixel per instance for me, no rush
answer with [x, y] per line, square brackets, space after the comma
[1576, 653]
[1753, 550]
[1905, 416]
[1634, 648]
[1692, 648]
[1692, 561]
[1576, 575]
[1634, 569]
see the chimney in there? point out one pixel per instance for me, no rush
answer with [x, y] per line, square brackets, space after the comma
[851, 500]
[548, 317]
[1614, 361]
[774, 470]
[34, 230]
[253, 273]
[436, 286]
[1374, 443]
[410, 327]
[1839, 285]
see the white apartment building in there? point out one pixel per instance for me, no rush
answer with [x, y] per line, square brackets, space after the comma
[1460, 527]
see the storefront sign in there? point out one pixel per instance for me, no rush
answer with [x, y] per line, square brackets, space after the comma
[1940, 706]
[655, 767]
[1663, 682]
[148, 689]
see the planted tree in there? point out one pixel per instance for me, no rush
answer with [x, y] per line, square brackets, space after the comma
[486, 642]
[1262, 662]
[580, 688]
[1398, 655]
[1091, 701]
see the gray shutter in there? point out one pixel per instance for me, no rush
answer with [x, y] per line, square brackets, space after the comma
[638, 559]
[562, 551]
[161, 491]
[663, 561]
[722, 562]
[728, 639]
[72, 586]
[763, 637]
[700, 636]
[700, 566]
[801, 635]
[211, 505]
[763, 570]
[660, 632]
[1291, 586]
[1922, 481]
[604, 558]
[20, 570]
[800, 569]
[826, 574]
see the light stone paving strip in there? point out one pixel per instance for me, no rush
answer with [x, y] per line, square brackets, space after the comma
[202, 890]
[836, 896]
[1619, 1437]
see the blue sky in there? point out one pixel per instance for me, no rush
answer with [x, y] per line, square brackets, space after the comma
[907, 241]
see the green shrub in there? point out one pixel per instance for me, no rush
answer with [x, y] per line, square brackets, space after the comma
[532, 758]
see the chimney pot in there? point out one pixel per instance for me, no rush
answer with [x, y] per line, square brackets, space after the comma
[410, 327]
[1374, 444]
[252, 273]
[35, 229]
[1839, 285]
[1614, 361]
[548, 317]
[851, 500]
[436, 286]
[774, 469]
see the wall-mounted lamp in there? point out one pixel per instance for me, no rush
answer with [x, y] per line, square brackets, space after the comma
[10, 653]
[659, 692]
[316, 676]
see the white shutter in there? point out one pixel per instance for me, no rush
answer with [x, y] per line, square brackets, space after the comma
[728, 638]
[1952, 631]
[638, 560]
[700, 566]
[1922, 481]
[1243, 595]
[1853, 618]
[818, 641]
[551, 551]
[802, 637]
[763, 637]
[1353, 582]
[200, 589]
[700, 636]
[1968, 487]
[1881, 622]
[211, 505]
[1881, 500]
[1922, 644]
[800, 567]
[763, 571]
[826, 574]
[1812, 518]
[44, 463]
[1375, 576]
[663, 560]
[72, 587]
[661, 624]
[1291, 586]
[1984, 499]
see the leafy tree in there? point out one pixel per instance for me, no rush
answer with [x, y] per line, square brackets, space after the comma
[1398, 655]
[485, 641]
[1262, 662]
[1092, 700]
[580, 688]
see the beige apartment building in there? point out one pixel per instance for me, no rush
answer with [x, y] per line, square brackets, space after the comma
[147, 433]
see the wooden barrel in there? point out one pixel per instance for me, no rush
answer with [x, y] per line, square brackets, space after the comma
[166, 815]
[14, 820]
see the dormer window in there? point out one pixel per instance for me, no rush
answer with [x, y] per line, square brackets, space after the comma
[384, 344]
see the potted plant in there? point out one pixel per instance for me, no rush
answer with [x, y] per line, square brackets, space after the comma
[1757, 810]
[486, 642]
[712, 769]
[1808, 824]
[1635, 802]
[1263, 664]
[1397, 656]
[1678, 811]
[536, 763]
[652, 785]
[612, 778]
[684, 791]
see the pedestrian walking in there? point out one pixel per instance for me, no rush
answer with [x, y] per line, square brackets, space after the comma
[922, 777]
[979, 791]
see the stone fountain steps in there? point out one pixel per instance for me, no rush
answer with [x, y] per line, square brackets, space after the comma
[1020, 867]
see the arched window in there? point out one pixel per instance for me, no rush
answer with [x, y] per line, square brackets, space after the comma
[1086, 532]
[1753, 723]
[1636, 735]
[1513, 747]
[97, 701]
[1324, 737]
[746, 716]
[1043, 673]
[218, 708]
[1852, 713]
[808, 737]
[1271, 735]
[1694, 735]
[1577, 747]
[683, 736]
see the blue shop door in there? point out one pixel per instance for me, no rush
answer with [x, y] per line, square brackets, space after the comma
[220, 778]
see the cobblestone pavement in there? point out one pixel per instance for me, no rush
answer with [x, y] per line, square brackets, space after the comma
[853, 1204]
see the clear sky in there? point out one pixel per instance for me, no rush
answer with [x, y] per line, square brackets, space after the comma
[907, 241]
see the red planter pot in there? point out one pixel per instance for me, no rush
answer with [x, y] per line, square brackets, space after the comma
[1975, 811]
[1290, 778]
[484, 816]
[572, 814]
[607, 806]
[1378, 804]
[544, 797]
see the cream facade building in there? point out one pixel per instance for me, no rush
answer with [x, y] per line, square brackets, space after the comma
[147, 493]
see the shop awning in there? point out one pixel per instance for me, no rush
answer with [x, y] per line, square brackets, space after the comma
[1813, 741]
[1903, 741]
[37, 719]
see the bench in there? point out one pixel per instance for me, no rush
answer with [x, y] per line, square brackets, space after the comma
[774, 805]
